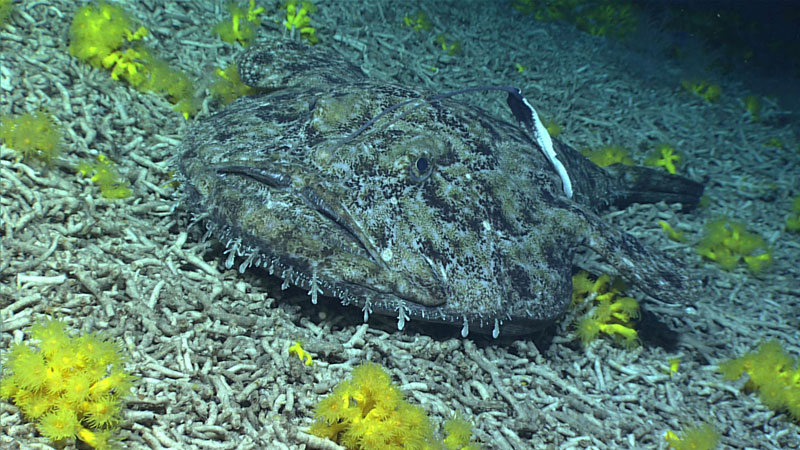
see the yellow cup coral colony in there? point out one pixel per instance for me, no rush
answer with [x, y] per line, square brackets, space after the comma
[227, 86]
[727, 242]
[608, 155]
[608, 313]
[241, 26]
[112, 185]
[72, 387]
[368, 411]
[103, 34]
[31, 135]
[699, 437]
[5, 10]
[709, 92]
[98, 34]
[771, 371]
[793, 220]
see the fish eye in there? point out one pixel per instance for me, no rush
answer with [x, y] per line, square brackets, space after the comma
[422, 164]
[421, 169]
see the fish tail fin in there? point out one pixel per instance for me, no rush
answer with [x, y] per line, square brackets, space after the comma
[280, 63]
[620, 185]
[636, 184]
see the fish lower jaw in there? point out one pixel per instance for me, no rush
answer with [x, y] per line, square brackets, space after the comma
[243, 256]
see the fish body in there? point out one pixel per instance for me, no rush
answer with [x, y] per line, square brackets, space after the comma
[399, 201]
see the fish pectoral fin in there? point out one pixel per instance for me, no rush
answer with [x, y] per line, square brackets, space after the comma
[652, 271]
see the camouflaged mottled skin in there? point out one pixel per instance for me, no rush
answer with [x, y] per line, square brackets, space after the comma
[440, 212]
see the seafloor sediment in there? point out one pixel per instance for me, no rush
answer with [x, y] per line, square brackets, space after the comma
[210, 345]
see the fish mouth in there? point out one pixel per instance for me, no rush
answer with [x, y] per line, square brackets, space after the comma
[313, 198]
[343, 233]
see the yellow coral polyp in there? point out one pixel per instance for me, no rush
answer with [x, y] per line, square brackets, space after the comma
[458, 433]
[5, 10]
[54, 378]
[615, 329]
[419, 22]
[297, 18]
[30, 363]
[59, 424]
[673, 234]
[102, 412]
[587, 330]
[664, 156]
[126, 64]
[304, 356]
[76, 389]
[97, 439]
[752, 103]
[51, 336]
[793, 221]
[36, 405]
[115, 380]
[624, 309]
[757, 263]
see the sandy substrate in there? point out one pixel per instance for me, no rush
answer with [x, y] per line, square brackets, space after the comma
[210, 345]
